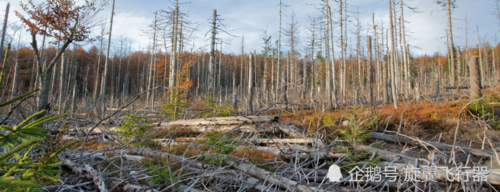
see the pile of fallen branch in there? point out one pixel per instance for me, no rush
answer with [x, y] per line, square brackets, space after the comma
[299, 161]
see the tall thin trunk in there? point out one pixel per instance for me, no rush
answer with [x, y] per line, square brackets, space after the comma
[212, 55]
[98, 65]
[62, 82]
[332, 52]
[251, 66]
[459, 62]
[127, 74]
[118, 79]
[105, 74]
[279, 59]
[378, 67]
[173, 54]
[149, 94]
[370, 72]
[393, 54]
[74, 80]
[451, 51]
[344, 71]
[406, 59]
[481, 67]
[313, 72]
[16, 68]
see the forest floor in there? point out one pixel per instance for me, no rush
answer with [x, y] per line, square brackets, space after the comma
[216, 149]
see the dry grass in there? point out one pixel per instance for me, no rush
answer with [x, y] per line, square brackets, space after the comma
[423, 119]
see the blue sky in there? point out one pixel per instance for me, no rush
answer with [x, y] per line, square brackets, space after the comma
[425, 30]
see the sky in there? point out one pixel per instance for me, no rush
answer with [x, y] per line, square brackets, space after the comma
[425, 28]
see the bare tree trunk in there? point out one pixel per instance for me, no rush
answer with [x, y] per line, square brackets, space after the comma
[451, 51]
[16, 68]
[149, 94]
[313, 70]
[342, 56]
[212, 56]
[61, 84]
[105, 74]
[98, 65]
[251, 66]
[75, 85]
[332, 52]
[393, 55]
[459, 62]
[219, 74]
[344, 71]
[370, 73]
[481, 67]
[264, 80]
[328, 85]
[118, 79]
[285, 82]
[279, 61]
[466, 46]
[494, 64]
[173, 54]
[406, 59]
[235, 99]
[475, 78]
[127, 74]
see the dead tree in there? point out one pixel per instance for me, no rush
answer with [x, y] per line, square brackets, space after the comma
[450, 36]
[332, 65]
[16, 69]
[217, 26]
[173, 49]
[393, 60]
[251, 66]
[98, 65]
[370, 72]
[106, 63]
[475, 78]
[149, 96]
[279, 58]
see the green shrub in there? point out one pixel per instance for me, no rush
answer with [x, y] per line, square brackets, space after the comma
[213, 109]
[134, 129]
[480, 109]
[160, 173]
[327, 120]
[220, 146]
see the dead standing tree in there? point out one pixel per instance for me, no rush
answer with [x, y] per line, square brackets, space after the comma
[251, 66]
[66, 21]
[106, 63]
[217, 26]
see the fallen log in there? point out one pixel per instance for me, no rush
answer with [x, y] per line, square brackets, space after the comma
[440, 146]
[289, 130]
[223, 121]
[301, 153]
[283, 141]
[225, 128]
